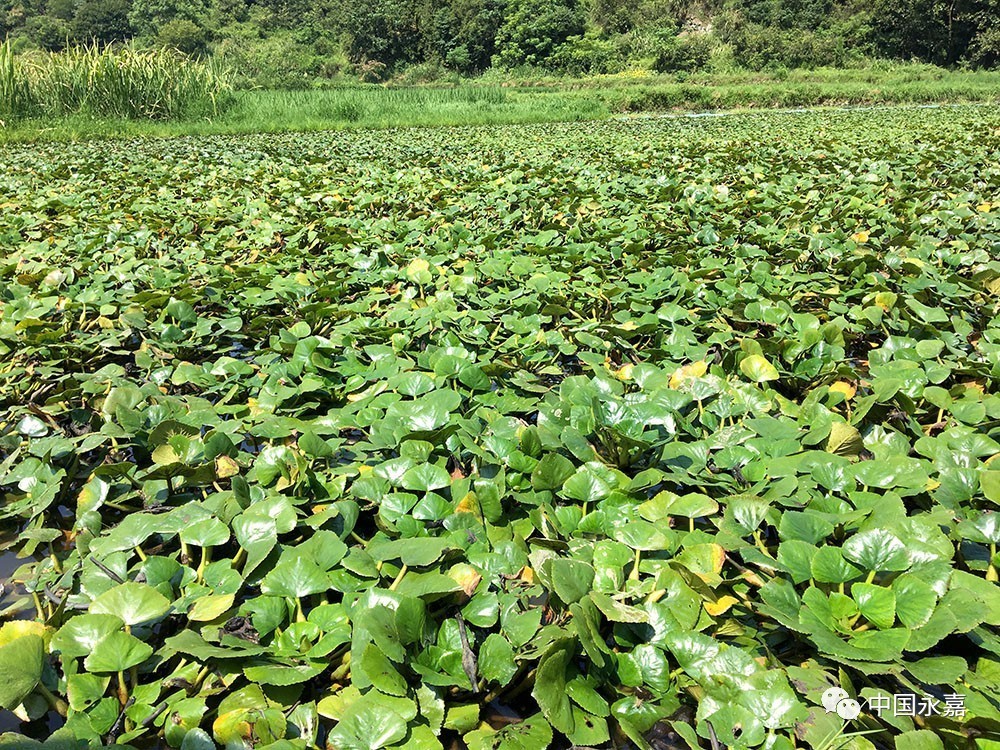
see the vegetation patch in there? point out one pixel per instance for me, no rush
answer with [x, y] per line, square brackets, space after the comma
[643, 433]
[124, 83]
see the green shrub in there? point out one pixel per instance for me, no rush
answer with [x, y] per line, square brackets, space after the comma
[279, 61]
[683, 52]
[184, 36]
[586, 55]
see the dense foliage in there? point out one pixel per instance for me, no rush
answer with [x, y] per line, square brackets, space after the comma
[293, 43]
[648, 431]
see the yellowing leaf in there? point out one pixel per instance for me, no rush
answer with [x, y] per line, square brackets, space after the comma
[842, 386]
[860, 237]
[885, 300]
[465, 576]
[15, 629]
[468, 504]
[721, 606]
[758, 369]
[210, 607]
[226, 467]
[687, 372]
[844, 440]
[419, 271]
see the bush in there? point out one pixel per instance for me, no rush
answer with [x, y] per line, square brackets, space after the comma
[760, 47]
[372, 71]
[460, 59]
[682, 53]
[184, 36]
[586, 55]
[277, 62]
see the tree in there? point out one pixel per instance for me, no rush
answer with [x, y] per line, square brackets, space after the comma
[534, 29]
[148, 16]
[102, 21]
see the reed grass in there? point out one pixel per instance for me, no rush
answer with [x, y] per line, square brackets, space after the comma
[119, 83]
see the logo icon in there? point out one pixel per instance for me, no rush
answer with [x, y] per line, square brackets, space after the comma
[836, 700]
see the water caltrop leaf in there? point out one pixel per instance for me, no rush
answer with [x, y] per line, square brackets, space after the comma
[21, 663]
[572, 579]
[758, 369]
[550, 687]
[844, 440]
[117, 652]
[132, 603]
[296, 577]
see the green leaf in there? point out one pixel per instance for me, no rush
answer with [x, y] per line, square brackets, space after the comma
[296, 577]
[370, 723]
[829, 566]
[876, 603]
[551, 472]
[922, 739]
[208, 532]
[550, 687]
[132, 603]
[989, 483]
[415, 552]
[877, 550]
[426, 478]
[117, 652]
[381, 672]
[572, 579]
[82, 633]
[496, 660]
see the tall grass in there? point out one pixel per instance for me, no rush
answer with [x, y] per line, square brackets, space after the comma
[15, 94]
[122, 83]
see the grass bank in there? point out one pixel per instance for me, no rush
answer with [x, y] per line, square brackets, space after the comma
[490, 101]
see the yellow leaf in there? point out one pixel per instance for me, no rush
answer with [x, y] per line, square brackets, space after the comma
[860, 237]
[15, 629]
[720, 606]
[688, 372]
[625, 372]
[842, 386]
